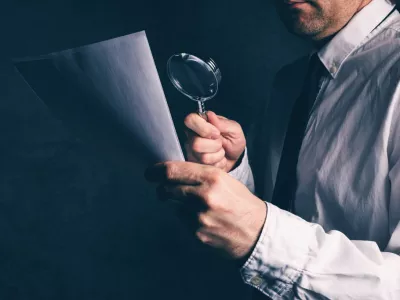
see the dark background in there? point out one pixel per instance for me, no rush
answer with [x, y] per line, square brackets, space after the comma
[70, 224]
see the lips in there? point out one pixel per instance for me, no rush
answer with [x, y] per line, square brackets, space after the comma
[294, 2]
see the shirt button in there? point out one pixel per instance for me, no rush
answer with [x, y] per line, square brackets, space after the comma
[256, 280]
[333, 69]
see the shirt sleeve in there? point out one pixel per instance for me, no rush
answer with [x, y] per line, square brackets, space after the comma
[294, 259]
[243, 173]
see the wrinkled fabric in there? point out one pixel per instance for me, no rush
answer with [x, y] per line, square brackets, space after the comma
[344, 241]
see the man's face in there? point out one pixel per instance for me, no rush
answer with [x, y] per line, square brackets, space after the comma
[317, 19]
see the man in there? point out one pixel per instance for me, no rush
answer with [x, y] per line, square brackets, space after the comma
[339, 140]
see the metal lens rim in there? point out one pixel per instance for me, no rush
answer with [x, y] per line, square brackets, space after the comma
[179, 87]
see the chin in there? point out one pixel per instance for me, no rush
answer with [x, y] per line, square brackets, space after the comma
[303, 29]
[302, 23]
[299, 29]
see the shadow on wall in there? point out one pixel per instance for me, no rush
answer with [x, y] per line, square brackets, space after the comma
[73, 224]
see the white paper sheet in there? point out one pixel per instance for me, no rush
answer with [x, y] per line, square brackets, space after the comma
[108, 91]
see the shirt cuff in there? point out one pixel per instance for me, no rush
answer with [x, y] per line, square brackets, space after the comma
[243, 172]
[280, 254]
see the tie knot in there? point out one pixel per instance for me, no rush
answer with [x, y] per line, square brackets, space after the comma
[313, 79]
[315, 66]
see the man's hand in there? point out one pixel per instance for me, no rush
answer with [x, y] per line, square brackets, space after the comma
[221, 211]
[219, 142]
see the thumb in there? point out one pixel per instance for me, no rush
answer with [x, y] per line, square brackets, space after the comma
[223, 124]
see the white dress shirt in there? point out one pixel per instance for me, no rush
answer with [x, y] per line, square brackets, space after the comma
[344, 241]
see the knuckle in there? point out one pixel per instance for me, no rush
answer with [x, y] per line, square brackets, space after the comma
[209, 198]
[189, 120]
[204, 220]
[236, 124]
[237, 128]
[196, 145]
[207, 159]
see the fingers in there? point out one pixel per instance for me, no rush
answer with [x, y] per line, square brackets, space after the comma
[184, 197]
[201, 127]
[222, 164]
[224, 125]
[202, 145]
[186, 173]
[211, 159]
[176, 192]
[204, 151]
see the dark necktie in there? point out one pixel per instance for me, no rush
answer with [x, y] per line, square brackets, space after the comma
[286, 181]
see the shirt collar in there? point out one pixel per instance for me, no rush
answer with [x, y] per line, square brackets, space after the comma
[335, 52]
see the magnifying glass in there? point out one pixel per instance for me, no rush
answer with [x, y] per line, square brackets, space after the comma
[195, 78]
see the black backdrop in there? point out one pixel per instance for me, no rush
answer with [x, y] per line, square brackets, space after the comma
[68, 218]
